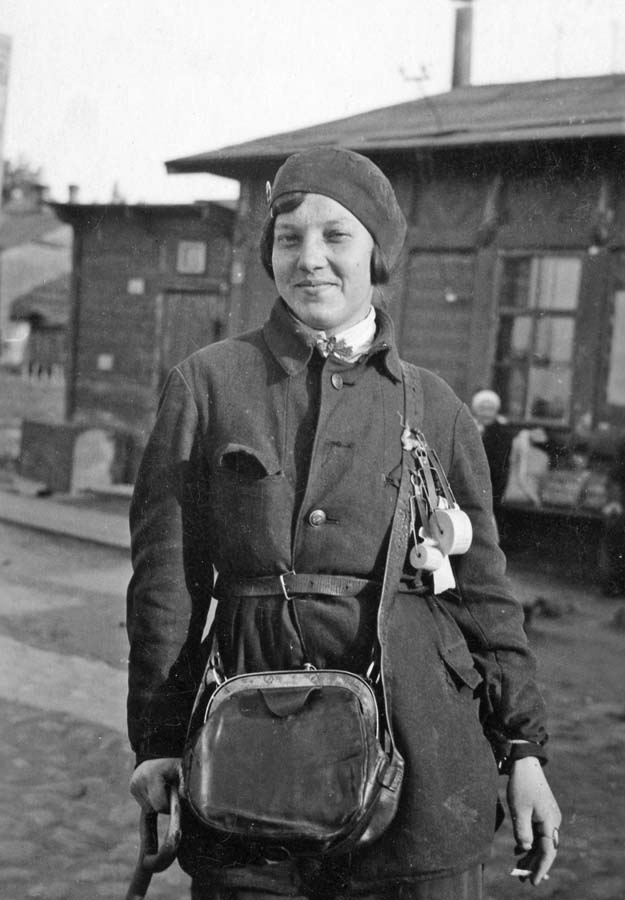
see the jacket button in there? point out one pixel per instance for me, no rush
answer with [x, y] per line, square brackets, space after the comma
[337, 381]
[317, 517]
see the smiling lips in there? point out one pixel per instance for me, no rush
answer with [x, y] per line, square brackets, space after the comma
[311, 285]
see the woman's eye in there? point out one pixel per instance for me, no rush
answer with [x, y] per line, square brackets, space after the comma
[337, 235]
[286, 240]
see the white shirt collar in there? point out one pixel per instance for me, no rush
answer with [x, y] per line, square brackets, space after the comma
[353, 341]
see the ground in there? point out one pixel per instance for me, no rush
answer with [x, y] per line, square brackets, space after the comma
[70, 822]
[68, 828]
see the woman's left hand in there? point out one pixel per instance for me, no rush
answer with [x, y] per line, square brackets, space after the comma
[536, 818]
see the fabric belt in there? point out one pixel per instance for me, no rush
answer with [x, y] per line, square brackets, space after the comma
[293, 583]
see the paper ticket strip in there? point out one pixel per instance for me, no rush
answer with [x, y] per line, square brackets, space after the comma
[439, 527]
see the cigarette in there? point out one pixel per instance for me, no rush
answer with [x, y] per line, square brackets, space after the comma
[525, 873]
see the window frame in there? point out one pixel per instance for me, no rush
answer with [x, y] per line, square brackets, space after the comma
[535, 314]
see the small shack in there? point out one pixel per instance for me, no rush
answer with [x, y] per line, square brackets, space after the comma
[149, 284]
[513, 273]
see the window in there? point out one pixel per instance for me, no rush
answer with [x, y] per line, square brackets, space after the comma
[538, 298]
[191, 257]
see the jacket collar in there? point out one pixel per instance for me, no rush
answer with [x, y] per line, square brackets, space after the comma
[292, 343]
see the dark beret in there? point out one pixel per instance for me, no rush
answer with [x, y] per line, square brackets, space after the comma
[354, 182]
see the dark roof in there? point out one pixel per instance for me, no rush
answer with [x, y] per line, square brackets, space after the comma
[48, 304]
[92, 214]
[26, 226]
[473, 114]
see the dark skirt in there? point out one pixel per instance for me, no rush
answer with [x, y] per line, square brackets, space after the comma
[279, 881]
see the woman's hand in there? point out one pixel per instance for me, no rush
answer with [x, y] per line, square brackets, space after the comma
[150, 783]
[536, 817]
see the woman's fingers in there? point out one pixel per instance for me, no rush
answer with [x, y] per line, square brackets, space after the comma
[150, 783]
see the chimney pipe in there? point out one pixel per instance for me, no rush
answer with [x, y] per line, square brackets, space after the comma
[72, 193]
[462, 44]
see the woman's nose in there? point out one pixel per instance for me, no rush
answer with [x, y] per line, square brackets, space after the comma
[311, 253]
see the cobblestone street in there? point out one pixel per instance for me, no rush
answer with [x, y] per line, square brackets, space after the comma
[68, 828]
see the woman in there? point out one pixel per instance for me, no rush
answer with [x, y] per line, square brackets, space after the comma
[279, 451]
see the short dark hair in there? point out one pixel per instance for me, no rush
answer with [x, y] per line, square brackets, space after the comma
[380, 270]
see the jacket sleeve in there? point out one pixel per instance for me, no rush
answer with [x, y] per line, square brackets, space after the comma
[486, 610]
[169, 593]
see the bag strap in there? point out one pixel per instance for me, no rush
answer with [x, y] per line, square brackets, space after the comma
[400, 532]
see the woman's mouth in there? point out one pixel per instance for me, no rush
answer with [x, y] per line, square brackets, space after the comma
[314, 285]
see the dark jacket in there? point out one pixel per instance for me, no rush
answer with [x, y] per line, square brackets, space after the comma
[497, 440]
[254, 434]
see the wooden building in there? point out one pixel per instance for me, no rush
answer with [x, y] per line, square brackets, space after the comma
[149, 285]
[513, 273]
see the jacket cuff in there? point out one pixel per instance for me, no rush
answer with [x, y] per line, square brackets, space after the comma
[514, 750]
[158, 747]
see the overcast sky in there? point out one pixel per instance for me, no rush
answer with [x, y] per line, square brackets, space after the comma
[104, 91]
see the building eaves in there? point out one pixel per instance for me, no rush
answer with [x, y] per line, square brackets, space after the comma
[557, 109]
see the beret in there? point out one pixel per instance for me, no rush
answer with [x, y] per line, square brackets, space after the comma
[353, 181]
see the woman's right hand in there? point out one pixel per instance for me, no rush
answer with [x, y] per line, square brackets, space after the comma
[150, 783]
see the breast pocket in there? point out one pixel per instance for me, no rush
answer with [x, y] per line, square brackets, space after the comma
[249, 510]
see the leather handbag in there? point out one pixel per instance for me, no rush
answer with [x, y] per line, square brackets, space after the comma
[293, 759]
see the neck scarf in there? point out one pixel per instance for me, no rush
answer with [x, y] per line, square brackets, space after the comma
[351, 344]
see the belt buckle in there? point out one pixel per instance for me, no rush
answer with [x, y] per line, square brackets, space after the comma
[283, 585]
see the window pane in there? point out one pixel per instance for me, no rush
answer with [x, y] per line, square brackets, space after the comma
[549, 393]
[515, 284]
[540, 282]
[556, 282]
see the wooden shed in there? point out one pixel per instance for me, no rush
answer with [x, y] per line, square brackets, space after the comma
[150, 284]
[513, 273]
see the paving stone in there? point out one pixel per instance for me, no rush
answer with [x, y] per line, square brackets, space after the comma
[15, 873]
[40, 818]
[115, 889]
[57, 890]
[17, 851]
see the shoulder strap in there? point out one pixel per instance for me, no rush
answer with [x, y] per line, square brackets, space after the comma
[398, 542]
[400, 531]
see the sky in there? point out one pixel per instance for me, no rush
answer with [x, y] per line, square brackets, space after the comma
[103, 92]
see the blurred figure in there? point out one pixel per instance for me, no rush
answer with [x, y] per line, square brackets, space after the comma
[497, 441]
[612, 551]
[529, 462]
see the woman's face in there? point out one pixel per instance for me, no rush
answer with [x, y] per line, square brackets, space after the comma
[321, 263]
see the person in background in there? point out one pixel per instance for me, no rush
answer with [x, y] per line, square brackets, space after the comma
[497, 440]
[612, 548]
[275, 460]
[529, 462]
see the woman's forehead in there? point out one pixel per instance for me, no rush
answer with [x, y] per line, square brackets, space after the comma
[316, 209]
